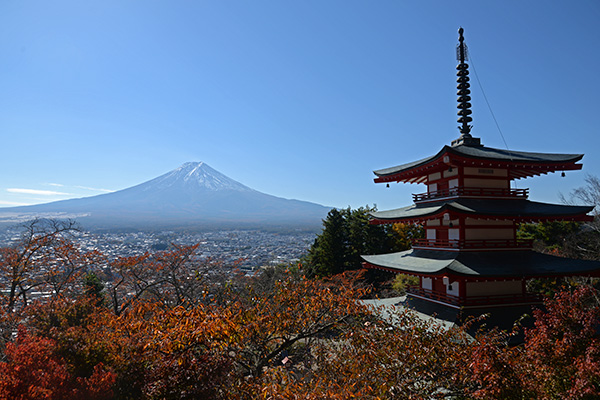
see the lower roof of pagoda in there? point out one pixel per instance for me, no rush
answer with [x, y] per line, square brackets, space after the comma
[485, 264]
[520, 164]
[520, 210]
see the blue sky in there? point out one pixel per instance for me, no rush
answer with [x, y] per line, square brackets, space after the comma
[299, 99]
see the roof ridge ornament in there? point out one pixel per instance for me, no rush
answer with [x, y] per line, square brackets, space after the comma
[464, 97]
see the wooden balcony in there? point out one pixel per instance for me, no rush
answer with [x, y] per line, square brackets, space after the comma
[479, 244]
[471, 192]
[474, 301]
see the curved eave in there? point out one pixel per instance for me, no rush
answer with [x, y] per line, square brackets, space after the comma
[518, 211]
[411, 214]
[520, 167]
[482, 265]
[414, 172]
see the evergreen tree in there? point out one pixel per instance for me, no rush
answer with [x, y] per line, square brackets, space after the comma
[93, 287]
[552, 234]
[327, 256]
[346, 236]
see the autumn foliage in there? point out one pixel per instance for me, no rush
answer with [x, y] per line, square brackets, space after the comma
[34, 370]
[170, 326]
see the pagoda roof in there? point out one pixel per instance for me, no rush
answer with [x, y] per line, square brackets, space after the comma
[486, 264]
[521, 163]
[517, 209]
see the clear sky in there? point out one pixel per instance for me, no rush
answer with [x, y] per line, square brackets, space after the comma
[299, 99]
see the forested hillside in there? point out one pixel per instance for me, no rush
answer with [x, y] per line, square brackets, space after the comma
[166, 326]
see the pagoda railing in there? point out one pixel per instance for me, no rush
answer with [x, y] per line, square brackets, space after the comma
[488, 244]
[471, 192]
[474, 301]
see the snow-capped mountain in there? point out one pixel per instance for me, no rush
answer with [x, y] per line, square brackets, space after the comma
[193, 195]
[194, 175]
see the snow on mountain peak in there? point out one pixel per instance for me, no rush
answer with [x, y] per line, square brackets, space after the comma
[192, 195]
[199, 175]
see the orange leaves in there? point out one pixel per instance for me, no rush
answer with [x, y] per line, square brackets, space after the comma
[179, 348]
[34, 371]
[495, 370]
[294, 311]
[563, 350]
[42, 261]
[408, 359]
[171, 277]
[178, 329]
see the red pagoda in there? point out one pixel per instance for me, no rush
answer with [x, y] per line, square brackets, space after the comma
[471, 257]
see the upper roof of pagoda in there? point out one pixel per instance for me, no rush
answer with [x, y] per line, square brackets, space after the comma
[520, 164]
[467, 151]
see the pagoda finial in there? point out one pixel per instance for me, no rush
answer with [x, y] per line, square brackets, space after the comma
[463, 87]
[463, 93]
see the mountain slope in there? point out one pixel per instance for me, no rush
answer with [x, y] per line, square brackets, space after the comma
[191, 195]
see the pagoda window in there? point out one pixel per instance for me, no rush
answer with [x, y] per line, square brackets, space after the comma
[431, 234]
[426, 283]
[432, 188]
[453, 234]
[433, 222]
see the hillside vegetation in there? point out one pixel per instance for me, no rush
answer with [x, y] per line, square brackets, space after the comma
[76, 325]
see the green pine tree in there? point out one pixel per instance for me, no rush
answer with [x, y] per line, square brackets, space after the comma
[346, 236]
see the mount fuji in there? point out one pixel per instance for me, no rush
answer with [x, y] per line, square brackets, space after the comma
[193, 196]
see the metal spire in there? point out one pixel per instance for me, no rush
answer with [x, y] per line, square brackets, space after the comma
[463, 87]
[463, 93]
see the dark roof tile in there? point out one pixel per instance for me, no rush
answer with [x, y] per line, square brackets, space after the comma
[487, 153]
[483, 263]
[492, 207]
